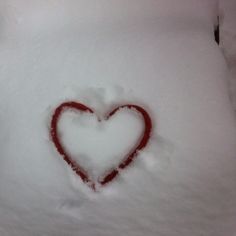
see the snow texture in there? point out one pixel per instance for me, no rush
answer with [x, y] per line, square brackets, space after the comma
[100, 145]
[228, 41]
[158, 54]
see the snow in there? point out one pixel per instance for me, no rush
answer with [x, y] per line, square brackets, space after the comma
[100, 145]
[153, 53]
[228, 45]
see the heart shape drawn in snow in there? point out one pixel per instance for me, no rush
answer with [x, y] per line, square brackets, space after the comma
[128, 158]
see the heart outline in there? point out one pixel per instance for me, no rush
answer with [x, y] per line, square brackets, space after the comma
[126, 161]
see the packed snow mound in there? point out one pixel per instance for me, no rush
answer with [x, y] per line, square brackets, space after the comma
[103, 53]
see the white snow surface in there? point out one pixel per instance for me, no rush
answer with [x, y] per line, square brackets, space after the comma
[153, 53]
[100, 145]
[228, 41]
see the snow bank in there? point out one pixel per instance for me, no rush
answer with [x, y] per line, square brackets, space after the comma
[105, 53]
